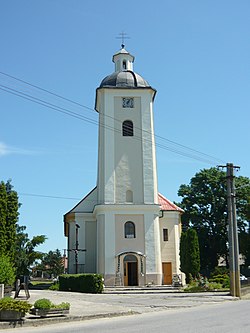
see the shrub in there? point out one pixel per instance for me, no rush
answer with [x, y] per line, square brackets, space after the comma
[43, 303]
[201, 284]
[193, 289]
[85, 283]
[219, 270]
[7, 271]
[214, 286]
[222, 279]
[220, 275]
[8, 303]
[46, 304]
[63, 305]
[54, 286]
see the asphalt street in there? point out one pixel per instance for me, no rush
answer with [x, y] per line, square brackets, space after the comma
[218, 317]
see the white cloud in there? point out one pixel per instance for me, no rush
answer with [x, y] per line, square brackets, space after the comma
[7, 150]
[3, 149]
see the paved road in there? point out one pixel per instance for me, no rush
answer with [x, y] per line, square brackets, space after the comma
[226, 317]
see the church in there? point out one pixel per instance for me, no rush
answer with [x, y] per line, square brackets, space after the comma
[124, 228]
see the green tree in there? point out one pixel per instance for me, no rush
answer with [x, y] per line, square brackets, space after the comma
[14, 241]
[190, 254]
[204, 201]
[3, 216]
[26, 253]
[183, 254]
[52, 263]
[7, 271]
[8, 219]
[244, 241]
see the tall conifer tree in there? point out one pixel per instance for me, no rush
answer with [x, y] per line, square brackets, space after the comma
[11, 219]
[3, 216]
[8, 219]
[190, 254]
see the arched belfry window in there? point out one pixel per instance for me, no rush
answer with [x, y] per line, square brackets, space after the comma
[127, 128]
[124, 64]
[129, 229]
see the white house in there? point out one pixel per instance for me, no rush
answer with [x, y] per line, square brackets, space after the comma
[129, 232]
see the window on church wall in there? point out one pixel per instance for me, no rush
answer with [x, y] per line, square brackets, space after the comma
[129, 229]
[129, 196]
[124, 64]
[165, 235]
[127, 128]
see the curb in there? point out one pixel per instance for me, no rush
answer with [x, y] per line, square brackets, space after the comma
[34, 321]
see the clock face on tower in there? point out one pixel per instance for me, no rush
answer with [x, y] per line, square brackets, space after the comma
[127, 102]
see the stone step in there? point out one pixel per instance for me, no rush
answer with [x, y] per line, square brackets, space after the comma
[137, 289]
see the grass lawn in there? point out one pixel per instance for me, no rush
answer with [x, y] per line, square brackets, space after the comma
[40, 284]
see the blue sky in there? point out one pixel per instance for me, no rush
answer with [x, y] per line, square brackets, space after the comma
[194, 53]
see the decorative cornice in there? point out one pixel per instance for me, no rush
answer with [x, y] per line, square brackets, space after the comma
[126, 209]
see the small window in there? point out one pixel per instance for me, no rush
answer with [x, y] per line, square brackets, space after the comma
[124, 64]
[127, 128]
[129, 196]
[165, 235]
[129, 229]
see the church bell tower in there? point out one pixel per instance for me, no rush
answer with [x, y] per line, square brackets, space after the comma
[127, 195]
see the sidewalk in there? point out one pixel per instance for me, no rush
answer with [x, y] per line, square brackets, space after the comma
[82, 307]
[114, 302]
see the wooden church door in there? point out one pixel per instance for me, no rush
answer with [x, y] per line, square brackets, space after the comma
[130, 271]
[167, 272]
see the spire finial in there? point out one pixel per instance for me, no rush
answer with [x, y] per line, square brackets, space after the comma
[122, 36]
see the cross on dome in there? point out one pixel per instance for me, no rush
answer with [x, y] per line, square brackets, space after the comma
[123, 36]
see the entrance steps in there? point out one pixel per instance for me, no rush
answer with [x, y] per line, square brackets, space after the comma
[140, 289]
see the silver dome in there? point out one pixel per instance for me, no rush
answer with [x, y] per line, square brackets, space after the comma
[125, 79]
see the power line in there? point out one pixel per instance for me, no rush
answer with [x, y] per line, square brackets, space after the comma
[91, 109]
[45, 90]
[78, 116]
[46, 104]
[47, 196]
[86, 119]
[81, 105]
[206, 158]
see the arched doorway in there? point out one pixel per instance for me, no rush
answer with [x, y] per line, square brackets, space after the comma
[130, 264]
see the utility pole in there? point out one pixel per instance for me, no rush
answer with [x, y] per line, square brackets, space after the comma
[231, 167]
[234, 267]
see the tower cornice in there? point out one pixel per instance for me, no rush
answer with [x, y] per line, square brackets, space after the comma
[126, 91]
[127, 209]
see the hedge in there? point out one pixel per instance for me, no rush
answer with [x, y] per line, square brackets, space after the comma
[84, 283]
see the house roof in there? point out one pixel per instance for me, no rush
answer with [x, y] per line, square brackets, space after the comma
[167, 205]
[83, 199]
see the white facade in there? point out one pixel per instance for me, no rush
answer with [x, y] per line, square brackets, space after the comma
[118, 223]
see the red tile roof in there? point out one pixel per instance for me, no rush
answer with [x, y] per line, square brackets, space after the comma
[165, 204]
